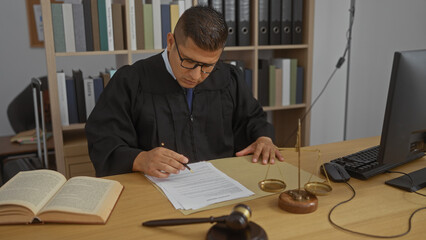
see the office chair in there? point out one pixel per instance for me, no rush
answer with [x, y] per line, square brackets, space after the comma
[24, 115]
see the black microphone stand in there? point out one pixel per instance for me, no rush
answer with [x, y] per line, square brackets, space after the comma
[349, 37]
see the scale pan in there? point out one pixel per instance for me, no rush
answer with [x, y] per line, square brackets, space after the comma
[318, 188]
[272, 185]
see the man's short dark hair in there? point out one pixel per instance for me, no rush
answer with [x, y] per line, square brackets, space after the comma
[205, 26]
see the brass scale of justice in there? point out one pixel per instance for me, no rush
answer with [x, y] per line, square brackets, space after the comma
[297, 200]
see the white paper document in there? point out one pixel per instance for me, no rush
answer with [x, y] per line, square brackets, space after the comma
[204, 186]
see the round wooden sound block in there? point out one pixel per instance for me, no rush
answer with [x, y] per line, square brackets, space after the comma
[298, 201]
[221, 232]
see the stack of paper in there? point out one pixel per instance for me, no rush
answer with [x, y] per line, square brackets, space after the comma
[204, 186]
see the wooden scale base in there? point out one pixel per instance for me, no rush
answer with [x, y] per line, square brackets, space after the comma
[298, 201]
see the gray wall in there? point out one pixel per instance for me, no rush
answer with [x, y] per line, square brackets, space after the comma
[381, 27]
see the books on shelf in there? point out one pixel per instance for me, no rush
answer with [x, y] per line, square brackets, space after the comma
[93, 25]
[28, 137]
[280, 82]
[100, 25]
[78, 94]
[46, 196]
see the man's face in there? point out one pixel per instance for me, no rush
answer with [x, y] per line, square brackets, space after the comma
[193, 55]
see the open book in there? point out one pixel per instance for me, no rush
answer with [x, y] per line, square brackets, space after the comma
[46, 196]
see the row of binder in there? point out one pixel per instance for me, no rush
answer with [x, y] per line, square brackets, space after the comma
[280, 22]
[237, 16]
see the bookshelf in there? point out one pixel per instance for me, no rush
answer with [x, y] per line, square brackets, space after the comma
[69, 141]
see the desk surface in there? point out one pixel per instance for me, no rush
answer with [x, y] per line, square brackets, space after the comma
[8, 149]
[376, 209]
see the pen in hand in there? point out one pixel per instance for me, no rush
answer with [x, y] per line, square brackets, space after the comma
[186, 165]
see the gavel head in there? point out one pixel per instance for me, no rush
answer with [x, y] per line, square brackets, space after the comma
[239, 218]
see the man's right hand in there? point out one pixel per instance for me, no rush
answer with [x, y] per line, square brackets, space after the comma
[159, 162]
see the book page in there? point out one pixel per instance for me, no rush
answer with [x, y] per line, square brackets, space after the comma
[84, 195]
[32, 189]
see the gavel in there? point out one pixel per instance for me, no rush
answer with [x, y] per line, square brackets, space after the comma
[237, 220]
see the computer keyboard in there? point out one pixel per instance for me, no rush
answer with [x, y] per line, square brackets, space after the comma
[362, 164]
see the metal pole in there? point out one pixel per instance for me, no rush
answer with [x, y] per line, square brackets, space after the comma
[349, 36]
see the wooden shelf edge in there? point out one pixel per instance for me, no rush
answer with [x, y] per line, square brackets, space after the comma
[91, 53]
[274, 108]
[72, 127]
[277, 47]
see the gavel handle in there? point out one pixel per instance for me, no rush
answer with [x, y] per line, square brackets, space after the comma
[182, 221]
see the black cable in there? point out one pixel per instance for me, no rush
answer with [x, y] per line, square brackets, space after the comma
[366, 234]
[338, 65]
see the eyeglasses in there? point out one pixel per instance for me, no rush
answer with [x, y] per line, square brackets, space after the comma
[191, 64]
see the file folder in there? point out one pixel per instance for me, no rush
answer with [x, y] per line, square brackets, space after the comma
[263, 30]
[297, 21]
[274, 22]
[243, 22]
[286, 22]
[216, 5]
[263, 82]
[230, 19]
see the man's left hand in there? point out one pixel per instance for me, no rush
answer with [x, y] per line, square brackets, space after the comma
[264, 147]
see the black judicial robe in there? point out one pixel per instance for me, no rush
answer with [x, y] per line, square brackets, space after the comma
[144, 107]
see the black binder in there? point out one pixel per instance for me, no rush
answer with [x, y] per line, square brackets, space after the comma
[286, 23]
[230, 19]
[297, 21]
[203, 2]
[263, 22]
[263, 82]
[216, 5]
[274, 22]
[243, 22]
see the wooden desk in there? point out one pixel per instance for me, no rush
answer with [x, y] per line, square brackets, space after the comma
[377, 209]
[10, 149]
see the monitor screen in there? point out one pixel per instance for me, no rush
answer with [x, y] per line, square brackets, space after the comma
[404, 126]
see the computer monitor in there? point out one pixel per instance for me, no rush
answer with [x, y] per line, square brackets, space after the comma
[404, 127]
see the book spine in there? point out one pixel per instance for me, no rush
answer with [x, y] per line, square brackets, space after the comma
[103, 30]
[293, 80]
[132, 24]
[71, 100]
[95, 25]
[148, 26]
[79, 91]
[117, 22]
[139, 25]
[165, 24]
[89, 95]
[156, 21]
[62, 97]
[109, 25]
[58, 27]
[272, 85]
[87, 9]
[79, 28]
[98, 87]
[68, 27]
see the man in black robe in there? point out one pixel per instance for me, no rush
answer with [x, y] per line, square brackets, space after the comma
[180, 106]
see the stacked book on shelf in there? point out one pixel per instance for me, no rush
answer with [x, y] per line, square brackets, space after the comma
[280, 82]
[28, 137]
[78, 95]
